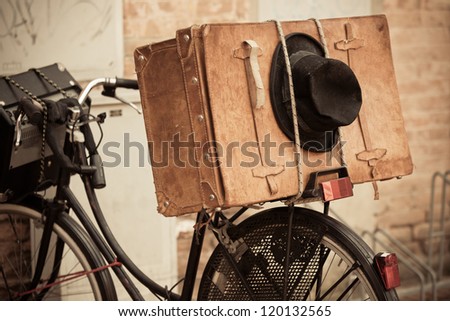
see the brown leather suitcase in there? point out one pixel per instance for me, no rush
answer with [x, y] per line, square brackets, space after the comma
[215, 135]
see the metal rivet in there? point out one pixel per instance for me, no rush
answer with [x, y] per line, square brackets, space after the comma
[186, 38]
[212, 197]
[200, 118]
[194, 80]
[166, 203]
[61, 67]
[141, 57]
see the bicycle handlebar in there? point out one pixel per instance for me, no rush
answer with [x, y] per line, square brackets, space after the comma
[125, 83]
[58, 111]
[111, 83]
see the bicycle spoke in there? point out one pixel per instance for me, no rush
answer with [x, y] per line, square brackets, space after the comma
[263, 268]
[20, 261]
[5, 281]
[17, 273]
[288, 252]
[324, 277]
[340, 280]
[17, 269]
[352, 286]
[324, 252]
[316, 280]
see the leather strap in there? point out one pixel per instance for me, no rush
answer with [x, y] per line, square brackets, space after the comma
[187, 42]
[369, 155]
[249, 52]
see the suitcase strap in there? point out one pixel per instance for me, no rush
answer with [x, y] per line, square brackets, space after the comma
[370, 155]
[190, 65]
[249, 52]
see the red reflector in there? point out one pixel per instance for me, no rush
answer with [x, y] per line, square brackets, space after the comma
[387, 265]
[336, 189]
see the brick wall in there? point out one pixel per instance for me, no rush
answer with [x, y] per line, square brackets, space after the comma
[156, 20]
[420, 37]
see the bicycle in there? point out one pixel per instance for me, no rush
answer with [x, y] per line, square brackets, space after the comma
[282, 253]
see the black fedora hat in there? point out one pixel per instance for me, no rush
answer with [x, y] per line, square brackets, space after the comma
[327, 92]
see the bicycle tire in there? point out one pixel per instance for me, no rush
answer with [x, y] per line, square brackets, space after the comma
[19, 242]
[327, 261]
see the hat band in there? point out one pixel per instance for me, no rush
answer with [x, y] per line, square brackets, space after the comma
[295, 57]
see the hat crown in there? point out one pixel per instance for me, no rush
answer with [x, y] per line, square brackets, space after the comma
[330, 89]
[327, 92]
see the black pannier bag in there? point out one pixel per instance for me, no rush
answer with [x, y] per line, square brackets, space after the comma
[21, 144]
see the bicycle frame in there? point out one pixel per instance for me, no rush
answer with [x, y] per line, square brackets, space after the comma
[109, 247]
[65, 200]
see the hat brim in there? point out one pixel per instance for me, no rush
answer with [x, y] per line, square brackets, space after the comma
[315, 141]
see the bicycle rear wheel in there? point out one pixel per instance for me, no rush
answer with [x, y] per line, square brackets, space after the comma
[21, 228]
[326, 261]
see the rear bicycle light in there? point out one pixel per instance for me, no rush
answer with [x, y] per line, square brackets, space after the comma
[387, 265]
[336, 189]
